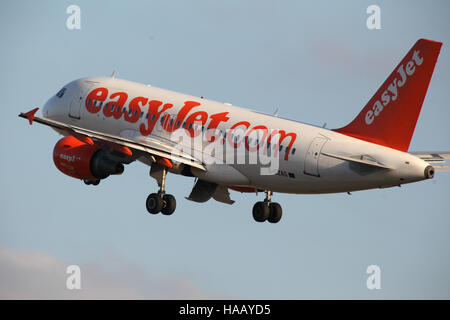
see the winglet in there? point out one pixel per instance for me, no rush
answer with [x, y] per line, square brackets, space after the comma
[30, 115]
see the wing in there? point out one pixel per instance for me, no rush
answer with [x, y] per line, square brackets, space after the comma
[150, 146]
[435, 158]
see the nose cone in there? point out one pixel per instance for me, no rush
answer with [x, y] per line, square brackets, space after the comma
[49, 109]
[57, 106]
[45, 109]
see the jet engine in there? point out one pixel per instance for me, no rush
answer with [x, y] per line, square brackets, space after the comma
[84, 161]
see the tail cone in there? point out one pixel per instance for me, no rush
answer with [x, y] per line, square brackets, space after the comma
[429, 172]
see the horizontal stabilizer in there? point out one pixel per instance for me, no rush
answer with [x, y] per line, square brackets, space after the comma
[445, 168]
[435, 158]
[363, 159]
[432, 157]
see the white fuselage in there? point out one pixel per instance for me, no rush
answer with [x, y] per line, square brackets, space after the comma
[315, 161]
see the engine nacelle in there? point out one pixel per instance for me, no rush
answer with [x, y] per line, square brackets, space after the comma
[83, 161]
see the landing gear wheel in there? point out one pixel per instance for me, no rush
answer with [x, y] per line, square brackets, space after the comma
[93, 182]
[261, 211]
[154, 203]
[169, 204]
[275, 212]
[160, 202]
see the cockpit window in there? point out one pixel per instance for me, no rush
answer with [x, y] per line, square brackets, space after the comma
[61, 93]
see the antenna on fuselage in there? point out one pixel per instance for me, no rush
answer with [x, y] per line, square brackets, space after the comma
[276, 112]
[113, 74]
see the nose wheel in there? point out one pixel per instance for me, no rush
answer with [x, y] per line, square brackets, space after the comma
[161, 202]
[267, 210]
[92, 182]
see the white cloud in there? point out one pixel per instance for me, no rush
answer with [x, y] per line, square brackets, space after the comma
[38, 275]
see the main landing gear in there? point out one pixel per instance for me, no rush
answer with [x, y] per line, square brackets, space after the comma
[161, 202]
[267, 210]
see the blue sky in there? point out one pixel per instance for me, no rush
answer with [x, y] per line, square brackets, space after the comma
[315, 60]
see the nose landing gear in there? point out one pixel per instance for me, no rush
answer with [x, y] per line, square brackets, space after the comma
[93, 182]
[267, 210]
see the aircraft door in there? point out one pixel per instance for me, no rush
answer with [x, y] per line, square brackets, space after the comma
[312, 156]
[77, 102]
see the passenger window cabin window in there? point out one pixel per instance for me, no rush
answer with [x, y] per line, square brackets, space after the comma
[146, 117]
[293, 150]
[89, 102]
[153, 117]
[281, 147]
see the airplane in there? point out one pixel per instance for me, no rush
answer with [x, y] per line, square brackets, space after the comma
[109, 122]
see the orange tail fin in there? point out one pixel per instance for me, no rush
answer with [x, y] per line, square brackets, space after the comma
[390, 117]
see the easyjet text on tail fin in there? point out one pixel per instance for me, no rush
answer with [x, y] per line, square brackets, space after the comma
[389, 118]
